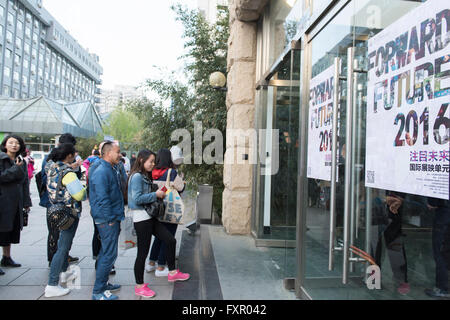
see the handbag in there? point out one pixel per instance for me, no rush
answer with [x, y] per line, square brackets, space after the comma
[157, 208]
[174, 204]
[59, 214]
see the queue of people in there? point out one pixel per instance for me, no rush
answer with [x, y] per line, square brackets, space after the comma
[109, 187]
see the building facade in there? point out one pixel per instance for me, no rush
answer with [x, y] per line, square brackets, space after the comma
[209, 8]
[119, 95]
[347, 176]
[39, 58]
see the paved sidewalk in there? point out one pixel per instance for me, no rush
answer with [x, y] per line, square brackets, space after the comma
[28, 282]
[221, 266]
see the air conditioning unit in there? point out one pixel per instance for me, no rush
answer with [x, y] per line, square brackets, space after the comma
[28, 19]
[33, 73]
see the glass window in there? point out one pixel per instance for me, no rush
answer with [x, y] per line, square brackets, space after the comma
[8, 53]
[26, 48]
[7, 72]
[2, 11]
[16, 59]
[28, 32]
[10, 19]
[18, 43]
[19, 27]
[9, 36]
[6, 91]
[25, 64]
[16, 77]
[285, 17]
[24, 81]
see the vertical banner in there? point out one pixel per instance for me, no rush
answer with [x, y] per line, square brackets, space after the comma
[320, 127]
[407, 145]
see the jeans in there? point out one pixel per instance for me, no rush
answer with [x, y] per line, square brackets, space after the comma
[109, 235]
[145, 230]
[441, 228]
[60, 261]
[393, 238]
[96, 243]
[158, 252]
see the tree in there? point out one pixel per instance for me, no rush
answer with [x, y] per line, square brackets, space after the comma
[125, 127]
[195, 100]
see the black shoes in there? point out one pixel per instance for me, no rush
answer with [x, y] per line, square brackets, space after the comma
[2, 272]
[8, 262]
[73, 259]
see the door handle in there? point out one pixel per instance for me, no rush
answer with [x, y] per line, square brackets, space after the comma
[348, 164]
[334, 143]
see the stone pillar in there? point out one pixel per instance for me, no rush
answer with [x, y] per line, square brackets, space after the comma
[237, 196]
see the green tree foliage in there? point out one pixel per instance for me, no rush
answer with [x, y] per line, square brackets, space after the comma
[126, 127]
[179, 104]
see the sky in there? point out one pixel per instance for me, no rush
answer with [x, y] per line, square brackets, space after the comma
[130, 37]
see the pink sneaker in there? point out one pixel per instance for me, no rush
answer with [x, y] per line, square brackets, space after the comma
[178, 276]
[145, 291]
[403, 288]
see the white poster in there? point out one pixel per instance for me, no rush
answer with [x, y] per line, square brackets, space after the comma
[407, 145]
[320, 131]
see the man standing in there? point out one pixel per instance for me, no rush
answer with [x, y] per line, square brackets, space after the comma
[107, 210]
[126, 164]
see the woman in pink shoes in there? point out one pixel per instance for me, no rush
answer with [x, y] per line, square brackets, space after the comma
[139, 194]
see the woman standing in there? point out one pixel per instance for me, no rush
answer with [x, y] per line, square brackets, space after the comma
[158, 252]
[139, 194]
[71, 193]
[14, 195]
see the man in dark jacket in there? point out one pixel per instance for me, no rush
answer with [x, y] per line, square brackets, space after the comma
[107, 210]
[53, 232]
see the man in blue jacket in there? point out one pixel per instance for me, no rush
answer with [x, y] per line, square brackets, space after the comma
[107, 210]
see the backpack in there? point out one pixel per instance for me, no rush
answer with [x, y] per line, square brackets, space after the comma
[40, 185]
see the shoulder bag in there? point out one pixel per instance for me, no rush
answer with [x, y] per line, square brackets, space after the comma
[59, 214]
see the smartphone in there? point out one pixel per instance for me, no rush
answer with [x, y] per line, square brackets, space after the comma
[20, 158]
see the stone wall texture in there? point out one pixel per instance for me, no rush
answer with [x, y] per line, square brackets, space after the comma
[237, 196]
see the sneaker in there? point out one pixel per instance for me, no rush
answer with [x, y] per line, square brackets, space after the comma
[145, 291]
[113, 271]
[178, 276]
[2, 272]
[150, 268]
[55, 291]
[404, 288]
[64, 276]
[162, 273]
[112, 287]
[106, 295]
[437, 293]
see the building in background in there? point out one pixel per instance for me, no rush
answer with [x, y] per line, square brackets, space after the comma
[209, 8]
[120, 95]
[39, 58]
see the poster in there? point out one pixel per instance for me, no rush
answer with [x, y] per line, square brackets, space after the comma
[407, 142]
[320, 125]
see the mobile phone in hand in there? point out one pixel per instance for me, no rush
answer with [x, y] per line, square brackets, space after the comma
[20, 158]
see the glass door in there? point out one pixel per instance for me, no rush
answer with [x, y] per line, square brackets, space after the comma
[350, 226]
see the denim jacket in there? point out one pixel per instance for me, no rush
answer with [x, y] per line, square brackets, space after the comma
[138, 192]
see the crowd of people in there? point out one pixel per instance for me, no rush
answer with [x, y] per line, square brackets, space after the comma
[114, 184]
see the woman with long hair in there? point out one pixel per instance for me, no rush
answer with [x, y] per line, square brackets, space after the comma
[70, 193]
[14, 195]
[158, 252]
[139, 194]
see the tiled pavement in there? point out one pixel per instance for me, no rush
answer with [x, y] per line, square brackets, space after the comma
[221, 266]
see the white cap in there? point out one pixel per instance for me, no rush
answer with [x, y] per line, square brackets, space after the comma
[177, 155]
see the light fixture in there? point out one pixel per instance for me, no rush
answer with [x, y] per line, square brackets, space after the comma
[217, 80]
